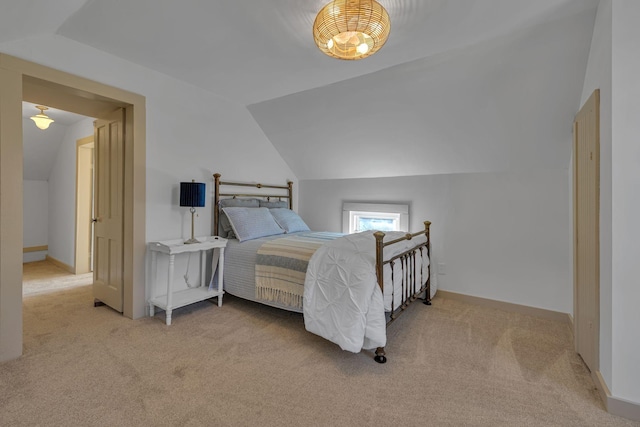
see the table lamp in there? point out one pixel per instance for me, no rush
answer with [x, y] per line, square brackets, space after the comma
[192, 194]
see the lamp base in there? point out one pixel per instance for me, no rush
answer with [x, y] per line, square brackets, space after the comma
[192, 239]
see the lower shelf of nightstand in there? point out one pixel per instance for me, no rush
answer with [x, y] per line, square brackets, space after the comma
[185, 297]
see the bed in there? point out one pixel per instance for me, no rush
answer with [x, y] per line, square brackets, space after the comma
[352, 285]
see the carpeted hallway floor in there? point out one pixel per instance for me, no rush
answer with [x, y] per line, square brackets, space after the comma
[243, 364]
[40, 277]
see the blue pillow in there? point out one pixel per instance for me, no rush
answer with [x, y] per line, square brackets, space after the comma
[224, 227]
[251, 223]
[289, 220]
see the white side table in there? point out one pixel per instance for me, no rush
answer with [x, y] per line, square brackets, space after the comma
[172, 300]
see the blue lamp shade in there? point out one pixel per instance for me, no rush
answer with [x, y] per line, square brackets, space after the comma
[192, 194]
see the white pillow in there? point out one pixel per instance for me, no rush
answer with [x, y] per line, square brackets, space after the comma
[251, 223]
[289, 220]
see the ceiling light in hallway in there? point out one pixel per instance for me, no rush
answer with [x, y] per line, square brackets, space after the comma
[42, 120]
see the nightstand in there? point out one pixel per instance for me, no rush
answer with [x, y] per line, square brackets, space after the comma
[172, 299]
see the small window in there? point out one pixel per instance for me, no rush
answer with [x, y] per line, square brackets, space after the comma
[357, 217]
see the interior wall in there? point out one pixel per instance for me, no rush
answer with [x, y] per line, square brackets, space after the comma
[613, 67]
[39, 148]
[35, 218]
[598, 76]
[321, 204]
[502, 236]
[62, 195]
[189, 134]
[197, 135]
[625, 176]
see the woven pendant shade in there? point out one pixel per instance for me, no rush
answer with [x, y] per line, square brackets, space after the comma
[351, 29]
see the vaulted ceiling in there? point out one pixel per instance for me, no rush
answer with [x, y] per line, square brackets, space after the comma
[460, 86]
[40, 147]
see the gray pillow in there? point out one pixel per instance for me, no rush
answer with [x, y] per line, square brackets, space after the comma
[224, 227]
[237, 202]
[251, 223]
[278, 204]
[289, 220]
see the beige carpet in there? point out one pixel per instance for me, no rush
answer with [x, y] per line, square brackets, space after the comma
[243, 364]
[41, 277]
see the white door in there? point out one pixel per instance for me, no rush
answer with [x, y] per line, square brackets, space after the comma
[586, 207]
[108, 210]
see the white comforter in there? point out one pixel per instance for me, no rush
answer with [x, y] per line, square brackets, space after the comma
[342, 301]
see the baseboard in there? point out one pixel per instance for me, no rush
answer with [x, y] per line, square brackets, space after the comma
[615, 405]
[508, 306]
[623, 408]
[61, 264]
[603, 390]
[35, 249]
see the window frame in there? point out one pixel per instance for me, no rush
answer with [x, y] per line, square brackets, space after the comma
[349, 209]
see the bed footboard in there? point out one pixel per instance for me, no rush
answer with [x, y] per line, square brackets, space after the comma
[412, 282]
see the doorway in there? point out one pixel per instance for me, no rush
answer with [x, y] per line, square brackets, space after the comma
[57, 180]
[23, 80]
[85, 184]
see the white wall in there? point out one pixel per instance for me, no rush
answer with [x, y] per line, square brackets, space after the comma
[598, 76]
[62, 194]
[190, 134]
[35, 218]
[625, 176]
[195, 136]
[614, 64]
[39, 148]
[321, 203]
[503, 236]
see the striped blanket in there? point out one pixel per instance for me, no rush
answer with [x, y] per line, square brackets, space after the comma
[281, 266]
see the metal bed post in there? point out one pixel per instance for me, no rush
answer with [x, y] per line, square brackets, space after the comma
[379, 235]
[427, 296]
[216, 199]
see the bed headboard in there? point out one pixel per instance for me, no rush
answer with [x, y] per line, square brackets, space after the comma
[266, 195]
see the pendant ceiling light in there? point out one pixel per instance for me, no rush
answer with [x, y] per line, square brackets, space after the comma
[42, 120]
[351, 29]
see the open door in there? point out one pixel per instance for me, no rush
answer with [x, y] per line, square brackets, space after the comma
[586, 208]
[109, 210]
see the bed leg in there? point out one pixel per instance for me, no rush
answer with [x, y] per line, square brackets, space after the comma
[427, 292]
[380, 355]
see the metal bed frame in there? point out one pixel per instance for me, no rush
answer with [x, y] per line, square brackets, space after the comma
[413, 285]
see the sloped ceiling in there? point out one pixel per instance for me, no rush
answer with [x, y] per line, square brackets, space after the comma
[460, 86]
[40, 147]
[500, 105]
